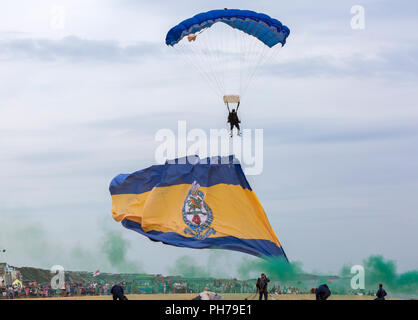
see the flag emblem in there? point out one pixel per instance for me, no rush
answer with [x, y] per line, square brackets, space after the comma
[197, 215]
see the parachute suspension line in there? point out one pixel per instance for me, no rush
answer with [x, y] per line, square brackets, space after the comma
[264, 61]
[201, 60]
[198, 68]
[217, 49]
[202, 52]
[257, 58]
[225, 51]
[237, 50]
[203, 74]
[207, 76]
[231, 59]
[250, 58]
[220, 48]
[180, 48]
[240, 61]
[244, 45]
[246, 58]
[265, 54]
[214, 57]
[210, 48]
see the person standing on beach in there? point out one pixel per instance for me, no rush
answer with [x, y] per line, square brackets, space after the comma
[381, 293]
[262, 286]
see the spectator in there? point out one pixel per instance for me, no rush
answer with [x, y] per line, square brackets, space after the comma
[262, 286]
[322, 292]
[381, 293]
[117, 292]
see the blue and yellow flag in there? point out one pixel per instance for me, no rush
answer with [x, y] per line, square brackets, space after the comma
[199, 204]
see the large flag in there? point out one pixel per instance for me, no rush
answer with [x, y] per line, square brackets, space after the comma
[204, 203]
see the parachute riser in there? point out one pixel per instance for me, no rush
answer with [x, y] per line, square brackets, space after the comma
[232, 98]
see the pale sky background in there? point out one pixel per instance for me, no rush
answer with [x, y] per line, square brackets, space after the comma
[81, 104]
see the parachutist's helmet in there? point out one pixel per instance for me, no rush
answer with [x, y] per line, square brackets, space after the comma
[233, 110]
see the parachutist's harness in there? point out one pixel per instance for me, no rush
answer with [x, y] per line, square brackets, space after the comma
[233, 117]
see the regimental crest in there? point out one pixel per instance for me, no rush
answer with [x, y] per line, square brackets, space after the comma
[197, 215]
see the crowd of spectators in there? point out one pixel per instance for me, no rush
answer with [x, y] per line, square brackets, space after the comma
[45, 290]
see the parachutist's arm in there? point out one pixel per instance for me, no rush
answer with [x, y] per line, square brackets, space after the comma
[227, 105]
[238, 106]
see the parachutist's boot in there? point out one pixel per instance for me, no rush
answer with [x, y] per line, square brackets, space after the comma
[230, 134]
[239, 133]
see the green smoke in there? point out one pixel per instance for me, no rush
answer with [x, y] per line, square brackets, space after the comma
[115, 248]
[378, 270]
[84, 258]
[188, 268]
[275, 268]
[216, 266]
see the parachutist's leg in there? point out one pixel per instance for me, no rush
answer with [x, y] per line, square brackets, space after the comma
[232, 127]
[238, 128]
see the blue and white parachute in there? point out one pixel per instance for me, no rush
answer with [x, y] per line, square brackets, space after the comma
[228, 46]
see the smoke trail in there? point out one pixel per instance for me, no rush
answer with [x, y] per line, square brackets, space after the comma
[378, 270]
[115, 248]
[187, 267]
[216, 266]
[39, 248]
[276, 268]
[34, 246]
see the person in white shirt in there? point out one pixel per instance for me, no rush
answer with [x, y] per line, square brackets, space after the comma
[208, 295]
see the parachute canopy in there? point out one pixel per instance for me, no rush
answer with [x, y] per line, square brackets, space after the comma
[228, 46]
[195, 203]
[266, 29]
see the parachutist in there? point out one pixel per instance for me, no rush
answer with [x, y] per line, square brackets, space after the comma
[233, 119]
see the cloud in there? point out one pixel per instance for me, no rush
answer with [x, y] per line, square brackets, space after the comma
[400, 63]
[75, 49]
[309, 131]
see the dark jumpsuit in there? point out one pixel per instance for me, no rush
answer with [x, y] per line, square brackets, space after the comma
[233, 120]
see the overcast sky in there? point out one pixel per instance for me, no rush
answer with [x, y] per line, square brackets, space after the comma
[82, 103]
